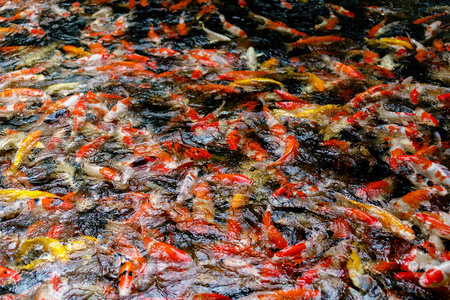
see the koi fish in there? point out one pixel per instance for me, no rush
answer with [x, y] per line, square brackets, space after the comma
[233, 29]
[314, 41]
[164, 251]
[25, 147]
[435, 172]
[274, 236]
[436, 276]
[342, 11]
[276, 26]
[8, 275]
[127, 277]
[90, 148]
[389, 221]
[212, 36]
[439, 227]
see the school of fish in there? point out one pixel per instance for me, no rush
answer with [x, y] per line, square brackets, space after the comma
[242, 149]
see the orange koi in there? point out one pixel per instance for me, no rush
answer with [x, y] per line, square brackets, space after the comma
[103, 173]
[50, 204]
[163, 251]
[142, 60]
[359, 98]
[233, 138]
[153, 36]
[211, 89]
[274, 236]
[375, 189]
[7, 274]
[230, 179]
[181, 27]
[90, 148]
[179, 6]
[444, 98]
[188, 151]
[289, 153]
[241, 75]
[127, 276]
[289, 105]
[348, 71]
[315, 41]
[254, 150]
[210, 296]
[285, 96]
[203, 205]
[341, 145]
[242, 3]
[120, 67]
[427, 19]
[276, 26]
[361, 216]
[299, 293]
[370, 57]
[79, 52]
[293, 251]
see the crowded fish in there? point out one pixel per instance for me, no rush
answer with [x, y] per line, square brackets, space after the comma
[206, 149]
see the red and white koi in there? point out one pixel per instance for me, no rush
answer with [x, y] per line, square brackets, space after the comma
[436, 276]
[101, 173]
[435, 172]
[433, 29]
[340, 10]
[233, 29]
[419, 116]
[436, 226]
[117, 110]
[413, 200]
[162, 52]
[276, 26]
[328, 24]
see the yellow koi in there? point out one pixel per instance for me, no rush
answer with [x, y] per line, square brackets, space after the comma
[53, 246]
[355, 268]
[238, 201]
[396, 42]
[315, 114]
[389, 221]
[316, 82]
[254, 82]
[14, 194]
[25, 148]
[81, 243]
